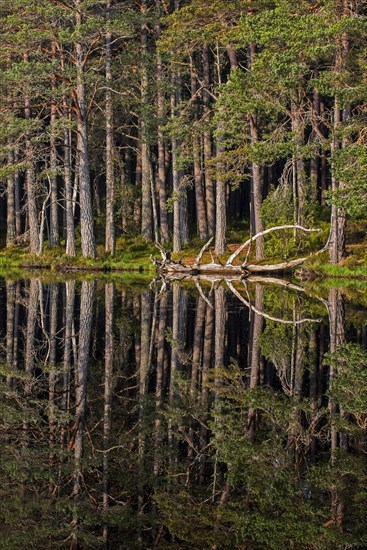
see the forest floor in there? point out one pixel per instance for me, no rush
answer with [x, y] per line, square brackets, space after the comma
[133, 255]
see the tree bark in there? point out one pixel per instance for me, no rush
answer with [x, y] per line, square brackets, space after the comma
[30, 179]
[161, 144]
[86, 211]
[54, 219]
[110, 244]
[146, 204]
[10, 212]
[199, 193]
[207, 141]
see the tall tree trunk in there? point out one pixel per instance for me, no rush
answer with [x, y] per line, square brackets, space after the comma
[30, 179]
[299, 165]
[256, 193]
[70, 237]
[221, 195]
[54, 219]
[10, 212]
[177, 243]
[110, 245]
[161, 144]
[146, 204]
[207, 142]
[85, 198]
[315, 161]
[199, 192]
[18, 219]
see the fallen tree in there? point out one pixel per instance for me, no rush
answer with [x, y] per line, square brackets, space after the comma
[168, 267]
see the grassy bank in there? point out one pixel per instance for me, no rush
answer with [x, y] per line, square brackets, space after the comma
[133, 255]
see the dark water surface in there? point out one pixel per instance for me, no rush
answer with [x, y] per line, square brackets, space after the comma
[224, 416]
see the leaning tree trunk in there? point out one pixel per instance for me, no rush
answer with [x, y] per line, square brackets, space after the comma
[110, 245]
[86, 211]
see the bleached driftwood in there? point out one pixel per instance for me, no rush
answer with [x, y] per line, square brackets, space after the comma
[170, 268]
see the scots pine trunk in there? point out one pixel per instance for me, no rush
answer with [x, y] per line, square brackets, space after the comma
[85, 198]
[146, 204]
[30, 180]
[10, 212]
[256, 192]
[199, 192]
[256, 179]
[69, 210]
[110, 244]
[161, 143]
[54, 221]
[207, 145]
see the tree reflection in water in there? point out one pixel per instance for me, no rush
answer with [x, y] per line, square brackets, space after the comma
[230, 417]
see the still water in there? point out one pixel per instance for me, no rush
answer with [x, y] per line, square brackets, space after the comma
[208, 416]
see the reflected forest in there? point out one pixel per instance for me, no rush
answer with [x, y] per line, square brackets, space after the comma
[222, 416]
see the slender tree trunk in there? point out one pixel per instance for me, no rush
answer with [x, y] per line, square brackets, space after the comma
[10, 212]
[146, 205]
[199, 192]
[18, 219]
[161, 144]
[207, 142]
[315, 161]
[256, 192]
[86, 211]
[30, 178]
[299, 165]
[110, 244]
[54, 219]
[177, 243]
[70, 237]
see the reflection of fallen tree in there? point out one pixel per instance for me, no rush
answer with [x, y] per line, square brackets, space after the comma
[170, 268]
[265, 315]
